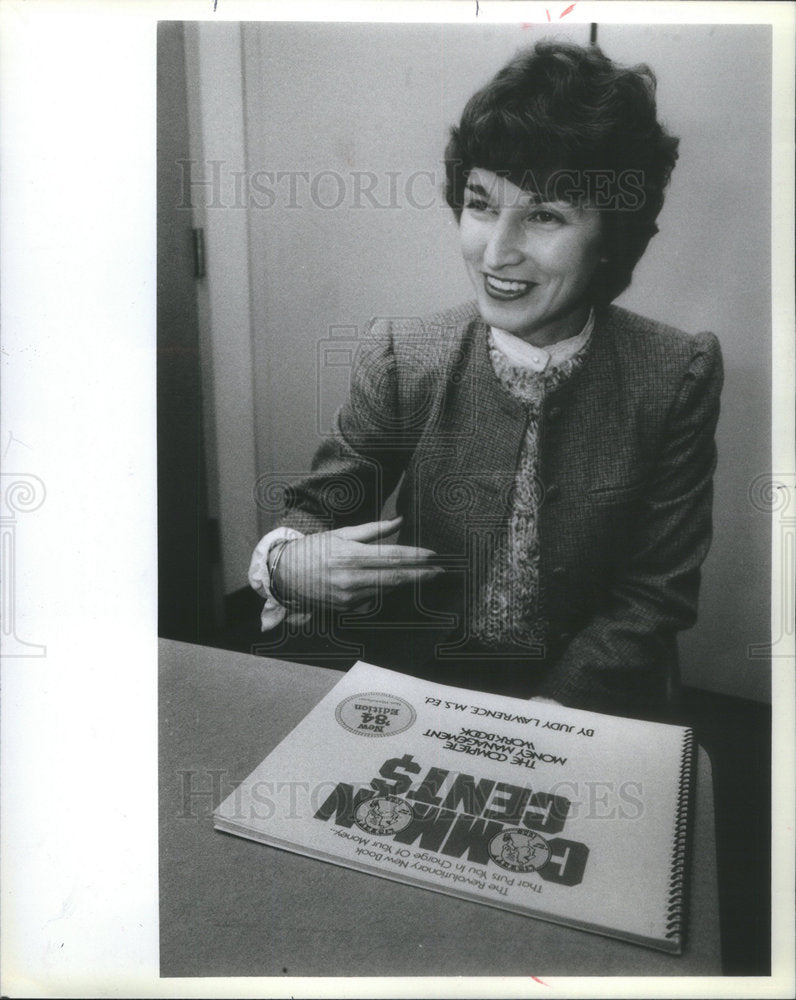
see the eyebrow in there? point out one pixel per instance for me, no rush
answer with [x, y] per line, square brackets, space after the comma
[474, 188]
[478, 189]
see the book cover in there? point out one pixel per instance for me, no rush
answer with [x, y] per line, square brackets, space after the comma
[558, 814]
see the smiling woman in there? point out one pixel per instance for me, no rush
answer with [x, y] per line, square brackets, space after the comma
[531, 262]
[555, 453]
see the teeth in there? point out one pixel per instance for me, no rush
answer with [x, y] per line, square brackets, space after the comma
[507, 286]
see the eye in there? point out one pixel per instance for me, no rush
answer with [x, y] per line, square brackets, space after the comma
[545, 216]
[475, 203]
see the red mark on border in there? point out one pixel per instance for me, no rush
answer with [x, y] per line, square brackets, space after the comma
[526, 25]
[537, 980]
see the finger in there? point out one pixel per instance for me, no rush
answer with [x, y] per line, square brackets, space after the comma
[363, 607]
[356, 566]
[347, 600]
[403, 577]
[359, 581]
[386, 556]
[370, 532]
[384, 565]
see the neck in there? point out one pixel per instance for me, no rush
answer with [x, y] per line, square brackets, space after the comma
[563, 329]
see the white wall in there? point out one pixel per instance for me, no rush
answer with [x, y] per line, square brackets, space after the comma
[334, 100]
[708, 269]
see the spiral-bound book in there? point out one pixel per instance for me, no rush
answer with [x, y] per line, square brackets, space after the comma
[558, 814]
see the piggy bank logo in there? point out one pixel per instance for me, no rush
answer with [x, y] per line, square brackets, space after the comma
[383, 814]
[519, 850]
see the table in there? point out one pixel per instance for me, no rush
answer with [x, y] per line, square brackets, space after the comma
[233, 907]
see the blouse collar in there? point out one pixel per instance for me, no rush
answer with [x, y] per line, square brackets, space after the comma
[521, 354]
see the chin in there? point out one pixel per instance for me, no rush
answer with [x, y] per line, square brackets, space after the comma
[506, 319]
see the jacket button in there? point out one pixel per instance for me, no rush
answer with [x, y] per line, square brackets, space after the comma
[553, 492]
[555, 413]
[565, 636]
[558, 571]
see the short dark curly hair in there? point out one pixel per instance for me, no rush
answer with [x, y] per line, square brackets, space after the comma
[566, 121]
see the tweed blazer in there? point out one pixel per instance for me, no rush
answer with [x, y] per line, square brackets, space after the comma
[626, 461]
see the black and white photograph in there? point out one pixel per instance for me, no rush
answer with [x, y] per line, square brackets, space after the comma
[463, 372]
[397, 500]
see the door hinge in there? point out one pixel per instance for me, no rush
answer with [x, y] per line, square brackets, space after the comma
[199, 253]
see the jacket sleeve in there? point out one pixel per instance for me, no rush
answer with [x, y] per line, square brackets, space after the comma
[356, 468]
[619, 661]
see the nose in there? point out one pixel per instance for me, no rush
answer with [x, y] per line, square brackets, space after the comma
[504, 246]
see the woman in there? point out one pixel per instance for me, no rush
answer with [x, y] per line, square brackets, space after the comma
[555, 453]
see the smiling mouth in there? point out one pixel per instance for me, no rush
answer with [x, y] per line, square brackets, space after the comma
[502, 288]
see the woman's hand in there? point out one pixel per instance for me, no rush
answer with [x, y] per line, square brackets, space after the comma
[343, 568]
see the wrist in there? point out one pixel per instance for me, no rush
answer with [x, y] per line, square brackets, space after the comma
[259, 577]
[272, 563]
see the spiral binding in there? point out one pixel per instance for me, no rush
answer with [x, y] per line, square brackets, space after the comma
[675, 911]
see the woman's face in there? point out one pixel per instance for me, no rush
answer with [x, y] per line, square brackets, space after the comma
[530, 261]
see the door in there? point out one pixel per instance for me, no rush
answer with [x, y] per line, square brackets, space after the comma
[186, 556]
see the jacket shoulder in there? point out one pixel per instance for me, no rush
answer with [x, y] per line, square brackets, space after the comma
[451, 323]
[423, 346]
[640, 339]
